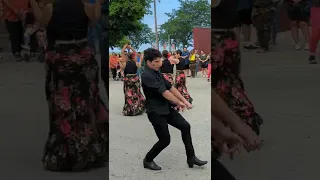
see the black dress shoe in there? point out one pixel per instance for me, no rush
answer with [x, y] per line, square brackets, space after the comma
[195, 161]
[151, 165]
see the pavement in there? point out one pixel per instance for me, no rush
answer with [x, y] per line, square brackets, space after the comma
[132, 137]
[285, 91]
[282, 86]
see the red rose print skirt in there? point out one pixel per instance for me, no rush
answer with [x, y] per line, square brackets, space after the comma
[79, 128]
[134, 101]
[226, 79]
[168, 77]
[181, 85]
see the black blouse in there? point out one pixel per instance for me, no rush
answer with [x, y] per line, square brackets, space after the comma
[131, 67]
[166, 67]
[225, 15]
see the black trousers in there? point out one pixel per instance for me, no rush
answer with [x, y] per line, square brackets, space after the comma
[114, 72]
[15, 31]
[219, 172]
[160, 125]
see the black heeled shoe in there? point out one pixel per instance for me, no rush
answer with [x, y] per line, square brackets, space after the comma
[195, 161]
[151, 165]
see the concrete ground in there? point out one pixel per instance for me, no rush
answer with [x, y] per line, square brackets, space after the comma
[132, 137]
[285, 90]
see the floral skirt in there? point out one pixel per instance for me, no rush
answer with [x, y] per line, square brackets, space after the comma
[226, 79]
[181, 85]
[134, 101]
[79, 128]
[168, 77]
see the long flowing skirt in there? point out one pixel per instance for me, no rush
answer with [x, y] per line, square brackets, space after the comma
[79, 128]
[181, 85]
[226, 79]
[168, 77]
[134, 99]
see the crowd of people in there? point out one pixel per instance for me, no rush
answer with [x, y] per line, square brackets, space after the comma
[194, 63]
[129, 65]
[265, 16]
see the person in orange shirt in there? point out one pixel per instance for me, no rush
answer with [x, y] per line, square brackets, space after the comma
[12, 13]
[113, 63]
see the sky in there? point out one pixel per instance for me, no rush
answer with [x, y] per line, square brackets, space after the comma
[165, 6]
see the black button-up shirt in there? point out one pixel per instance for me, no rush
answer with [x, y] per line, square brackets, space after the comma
[154, 85]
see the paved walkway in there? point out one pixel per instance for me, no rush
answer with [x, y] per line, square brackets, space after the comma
[285, 90]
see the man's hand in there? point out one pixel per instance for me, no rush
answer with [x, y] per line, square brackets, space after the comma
[181, 106]
[228, 142]
[251, 140]
[188, 104]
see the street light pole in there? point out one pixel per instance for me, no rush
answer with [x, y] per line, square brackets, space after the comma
[156, 23]
[169, 42]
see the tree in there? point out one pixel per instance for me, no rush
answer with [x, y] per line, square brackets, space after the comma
[192, 13]
[145, 36]
[125, 19]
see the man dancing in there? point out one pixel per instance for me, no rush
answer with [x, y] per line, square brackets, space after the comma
[160, 96]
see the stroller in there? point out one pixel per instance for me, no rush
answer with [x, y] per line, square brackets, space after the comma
[119, 73]
[29, 29]
[32, 30]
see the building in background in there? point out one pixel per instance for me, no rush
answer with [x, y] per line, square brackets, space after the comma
[202, 39]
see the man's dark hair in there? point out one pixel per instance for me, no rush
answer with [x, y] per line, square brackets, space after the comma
[165, 54]
[151, 54]
[139, 52]
[179, 52]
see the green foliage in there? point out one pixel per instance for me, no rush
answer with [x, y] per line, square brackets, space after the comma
[191, 13]
[145, 36]
[125, 19]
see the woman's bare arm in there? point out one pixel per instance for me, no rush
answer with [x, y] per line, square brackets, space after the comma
[221, 111]
[43, 17]
[123, 50]
[175, 60]
[133, 51]
[122, 65]
[93, 11]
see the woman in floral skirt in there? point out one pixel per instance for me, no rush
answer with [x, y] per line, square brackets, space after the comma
[167, 67]
[226, 79]
[180, 79]
[79, 129]
[134, 101]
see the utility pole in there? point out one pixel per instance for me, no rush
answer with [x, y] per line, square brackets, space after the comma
[169, 42]
[156, 22]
